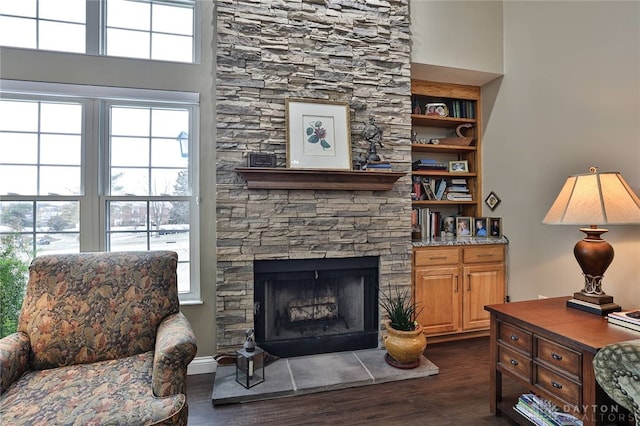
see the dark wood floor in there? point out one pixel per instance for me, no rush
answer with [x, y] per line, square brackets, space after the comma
[458, 396]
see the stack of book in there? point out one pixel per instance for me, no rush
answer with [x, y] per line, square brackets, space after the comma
[627, 319]
[544, 413]
[458, 190]
[377, 165]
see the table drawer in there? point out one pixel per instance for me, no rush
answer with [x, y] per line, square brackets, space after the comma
[514, 337]
[436, 257]
[560, 386]
[483, 254]
[559, 357]
[515, 362]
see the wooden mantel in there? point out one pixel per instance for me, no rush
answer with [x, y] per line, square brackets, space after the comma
[318, 179]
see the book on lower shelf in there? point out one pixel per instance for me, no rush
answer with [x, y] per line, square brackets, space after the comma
[544, 413]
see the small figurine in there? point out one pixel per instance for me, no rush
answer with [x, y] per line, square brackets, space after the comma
[372, 134]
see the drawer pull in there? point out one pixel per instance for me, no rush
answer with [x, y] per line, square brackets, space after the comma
[437, 257]
[485, 255]
[514, 337]
[556, 356]
[514, 362]
[556, 384]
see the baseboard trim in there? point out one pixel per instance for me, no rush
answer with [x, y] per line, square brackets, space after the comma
[202, 365]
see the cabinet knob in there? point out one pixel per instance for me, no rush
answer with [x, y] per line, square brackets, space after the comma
[556, 384]
[514, 362]
[556, 356]
[514, 337]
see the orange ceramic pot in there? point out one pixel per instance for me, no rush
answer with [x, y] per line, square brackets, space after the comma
[404, 347]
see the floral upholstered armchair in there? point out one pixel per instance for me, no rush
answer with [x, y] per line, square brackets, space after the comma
[100, 340]
[617, 370]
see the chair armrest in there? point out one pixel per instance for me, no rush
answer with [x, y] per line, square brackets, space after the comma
[617, 370]
[14, 358]
[175, 348]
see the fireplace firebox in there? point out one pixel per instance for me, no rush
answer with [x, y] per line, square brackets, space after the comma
[313, 306]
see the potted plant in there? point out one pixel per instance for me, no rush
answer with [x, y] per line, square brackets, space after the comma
[404, 340]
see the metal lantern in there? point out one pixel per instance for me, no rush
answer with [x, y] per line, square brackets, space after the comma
[250, 367]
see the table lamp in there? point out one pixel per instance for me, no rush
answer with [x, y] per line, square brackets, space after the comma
[594, 199]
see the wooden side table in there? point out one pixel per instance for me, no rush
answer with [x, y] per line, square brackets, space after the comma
[548, 349]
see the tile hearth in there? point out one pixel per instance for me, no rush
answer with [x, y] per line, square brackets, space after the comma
[315, 373]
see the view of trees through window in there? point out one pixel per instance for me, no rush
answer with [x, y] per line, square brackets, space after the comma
[60, 194]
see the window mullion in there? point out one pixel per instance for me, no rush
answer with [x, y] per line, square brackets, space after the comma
[91, 202]
[94, 27]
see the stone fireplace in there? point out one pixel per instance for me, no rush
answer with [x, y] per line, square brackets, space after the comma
[338, 50]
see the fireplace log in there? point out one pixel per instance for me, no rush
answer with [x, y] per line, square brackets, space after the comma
[318, 308]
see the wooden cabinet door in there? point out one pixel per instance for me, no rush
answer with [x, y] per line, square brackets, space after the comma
[439, 291]
[483, 285]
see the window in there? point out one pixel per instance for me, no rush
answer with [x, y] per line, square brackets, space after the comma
[146, 29]
[93, 168]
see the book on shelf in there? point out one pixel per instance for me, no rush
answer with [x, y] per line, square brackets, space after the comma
[377, 165]
[416, 190]
[458, 188]
[623, 323]
[429, 164]
[428, 185]
[459, 196]
[442, 186]
[458, 181]
[603, 309]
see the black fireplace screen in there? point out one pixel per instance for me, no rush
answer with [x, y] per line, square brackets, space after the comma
[312, 306]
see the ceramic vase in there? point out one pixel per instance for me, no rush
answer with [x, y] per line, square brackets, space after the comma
[404, 347]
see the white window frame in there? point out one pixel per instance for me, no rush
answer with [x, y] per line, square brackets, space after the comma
[93, 201]
[95, 29]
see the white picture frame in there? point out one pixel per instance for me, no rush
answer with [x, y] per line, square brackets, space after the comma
[318, 134]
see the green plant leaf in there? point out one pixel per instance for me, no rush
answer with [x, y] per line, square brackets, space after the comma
[313, 139]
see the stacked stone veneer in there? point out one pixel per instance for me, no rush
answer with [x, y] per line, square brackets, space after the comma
[355, 51]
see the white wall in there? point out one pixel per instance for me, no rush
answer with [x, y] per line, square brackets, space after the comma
[569, 99]
[456, 41]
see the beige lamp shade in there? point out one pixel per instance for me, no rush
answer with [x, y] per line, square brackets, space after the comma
[595, 199]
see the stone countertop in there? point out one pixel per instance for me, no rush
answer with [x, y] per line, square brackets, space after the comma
[460, 241]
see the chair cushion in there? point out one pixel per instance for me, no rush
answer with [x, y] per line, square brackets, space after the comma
[89, 307]
[116, 392]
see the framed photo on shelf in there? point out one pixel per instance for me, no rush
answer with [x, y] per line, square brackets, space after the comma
[318, 134]
[480, 228]
[464, 226]
[459, 166]
[495, 227]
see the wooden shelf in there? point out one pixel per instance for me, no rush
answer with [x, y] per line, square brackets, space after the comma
[442, 173]
[427, 147]
[417, 203]
[435, 121]
[318, 179]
